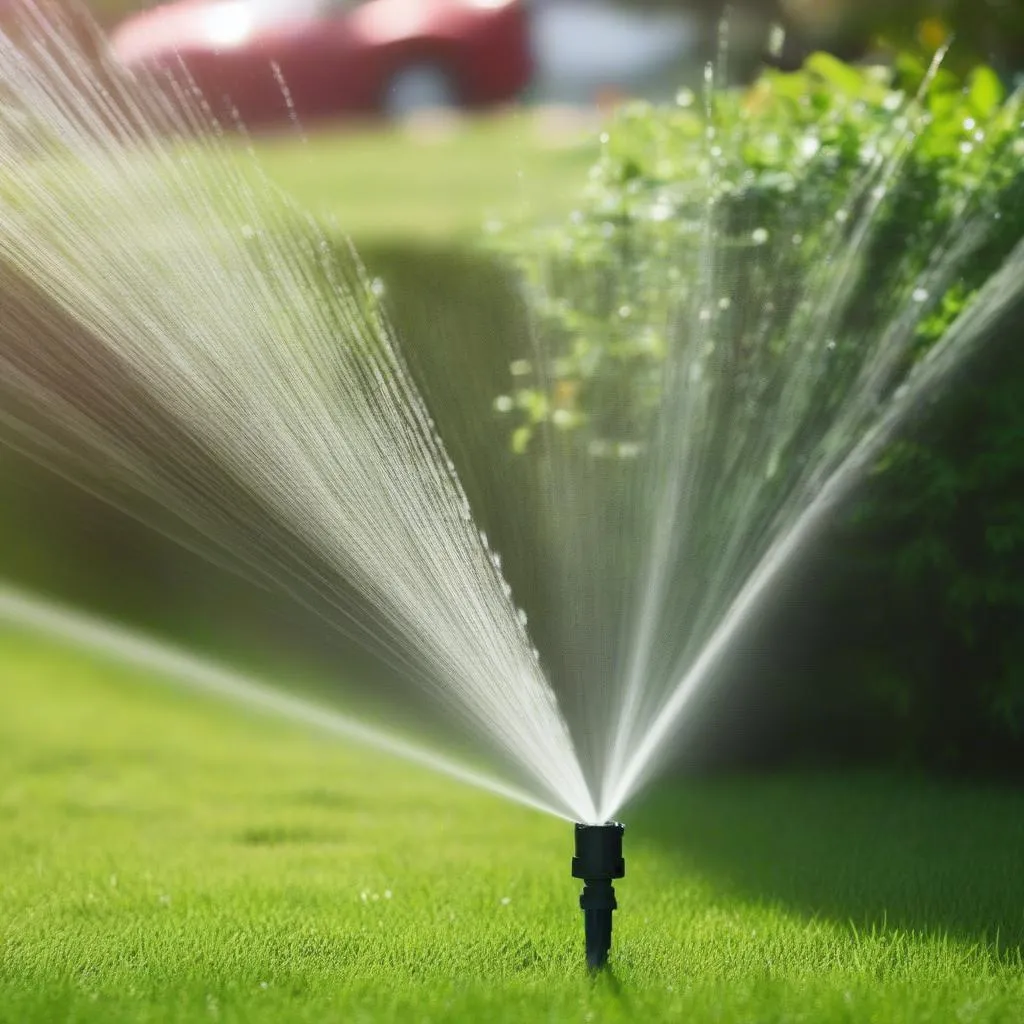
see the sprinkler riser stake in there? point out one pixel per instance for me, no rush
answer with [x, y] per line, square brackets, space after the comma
[598, 861]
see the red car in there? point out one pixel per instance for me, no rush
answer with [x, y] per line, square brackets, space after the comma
[326, 58]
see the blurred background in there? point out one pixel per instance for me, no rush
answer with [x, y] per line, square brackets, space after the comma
[899, 640]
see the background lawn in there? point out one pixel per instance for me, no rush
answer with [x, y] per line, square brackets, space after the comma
[438, 182]
[167, 858]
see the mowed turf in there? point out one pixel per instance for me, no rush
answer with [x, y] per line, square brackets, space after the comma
[436, 183]
[168, 858]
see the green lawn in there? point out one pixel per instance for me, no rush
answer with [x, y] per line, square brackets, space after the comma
[438, 184]
[167, 858]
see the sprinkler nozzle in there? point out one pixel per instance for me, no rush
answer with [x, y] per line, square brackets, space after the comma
[598, 860]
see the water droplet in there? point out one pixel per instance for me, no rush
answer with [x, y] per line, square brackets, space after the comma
[661, 211]
[969, 124]
[920, 295]
[523, 618]
[504, 403]
[704, 315]
[831, 344]
[966, 148]
[377, 287]
[868, 153]
[759, 236]
[724, 302]
[798, 239]
[625, 312]
[685, 98]
[842, 215]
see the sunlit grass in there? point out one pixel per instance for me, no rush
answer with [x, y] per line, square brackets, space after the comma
[165, 858]
[438, 183]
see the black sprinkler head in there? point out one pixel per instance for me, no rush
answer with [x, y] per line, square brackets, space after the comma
[598, 860]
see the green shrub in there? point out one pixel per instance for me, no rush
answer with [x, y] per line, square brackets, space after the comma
[941, 527]
[606, 284]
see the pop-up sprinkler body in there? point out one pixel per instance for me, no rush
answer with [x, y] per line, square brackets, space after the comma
[598, 860]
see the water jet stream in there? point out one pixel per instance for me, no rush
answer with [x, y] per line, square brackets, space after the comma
[168, 663]
[182, 341]
[781, 362]
[1001, 295]
[179, 339]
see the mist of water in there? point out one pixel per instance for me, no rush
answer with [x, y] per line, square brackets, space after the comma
[162, 661]
[787, 366]
[177, 338]
[196, 352]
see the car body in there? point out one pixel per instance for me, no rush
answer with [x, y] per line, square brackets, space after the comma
[267, 60]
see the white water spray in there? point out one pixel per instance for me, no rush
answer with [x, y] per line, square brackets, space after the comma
[67, 626]
[183, 343]
[785, 365]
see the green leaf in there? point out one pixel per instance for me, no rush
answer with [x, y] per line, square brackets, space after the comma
[985, 92]
[840, 76]
[521, 439]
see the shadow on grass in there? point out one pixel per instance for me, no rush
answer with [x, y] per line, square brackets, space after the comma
[606, 981]
[873, 851]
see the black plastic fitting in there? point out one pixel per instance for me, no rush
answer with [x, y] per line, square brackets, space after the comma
[598, 860]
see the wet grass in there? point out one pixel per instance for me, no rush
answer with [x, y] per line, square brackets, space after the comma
[163, 858]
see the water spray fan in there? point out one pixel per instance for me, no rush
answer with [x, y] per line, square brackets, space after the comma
[598, 861]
